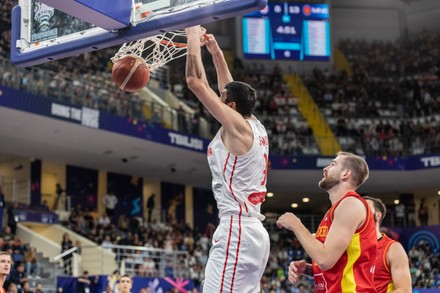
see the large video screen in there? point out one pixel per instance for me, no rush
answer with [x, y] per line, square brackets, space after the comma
[288, 31]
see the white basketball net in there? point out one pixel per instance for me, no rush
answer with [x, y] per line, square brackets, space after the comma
[156, 50]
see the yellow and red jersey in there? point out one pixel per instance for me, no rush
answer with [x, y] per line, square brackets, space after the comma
[382, 274]
[354, 271]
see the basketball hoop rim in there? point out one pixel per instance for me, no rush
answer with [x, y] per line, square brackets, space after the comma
[181, 45]
[173, 44]
[156, 46]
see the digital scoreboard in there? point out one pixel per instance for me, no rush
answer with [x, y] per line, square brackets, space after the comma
[287, 31]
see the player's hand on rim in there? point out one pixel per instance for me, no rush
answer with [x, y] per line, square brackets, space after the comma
[199, 31]
[211, 44]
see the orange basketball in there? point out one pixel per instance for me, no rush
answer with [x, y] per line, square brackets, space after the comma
[130, 73]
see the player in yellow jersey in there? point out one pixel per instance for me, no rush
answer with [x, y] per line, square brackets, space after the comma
[343, 249]
[391, 273]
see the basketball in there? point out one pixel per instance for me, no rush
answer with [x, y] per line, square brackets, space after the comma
[130, 73]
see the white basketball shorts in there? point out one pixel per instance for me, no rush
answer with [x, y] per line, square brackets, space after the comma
[238, 256]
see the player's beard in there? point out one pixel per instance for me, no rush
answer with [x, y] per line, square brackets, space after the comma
[329, 182]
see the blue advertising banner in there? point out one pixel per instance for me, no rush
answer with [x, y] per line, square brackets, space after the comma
[45, 217]
[143, 129]
[24, 101]
[153, 285]
[414, 236]
[416, 162]
[100, 283]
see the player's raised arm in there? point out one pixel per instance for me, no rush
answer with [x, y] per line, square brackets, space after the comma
[195, 71]
[198, 84]
[223, 74]
[236, 101]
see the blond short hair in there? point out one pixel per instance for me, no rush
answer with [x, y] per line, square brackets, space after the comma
[358, 167]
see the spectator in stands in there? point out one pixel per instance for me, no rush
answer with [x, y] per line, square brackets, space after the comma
[399, 214]
[181, 120]
[31, 262]
[411, 213]
[83, 283]
[150, 267]
[173, 204]
[5, 268]
[38, 288]
[66, 244]
[106, 243]
[7, 234]
[2, 205]
[26, 288]
[78, 247]
[110, 201]
[150, 206]
[59, 193]
[104, 220]
[12, 223]
[19, 277]
[124, 284]
[13, 288]
[156, 118]
[169, 270]
[423, 213]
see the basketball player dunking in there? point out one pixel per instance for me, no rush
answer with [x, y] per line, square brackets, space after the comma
[237, 157]
[5, 268]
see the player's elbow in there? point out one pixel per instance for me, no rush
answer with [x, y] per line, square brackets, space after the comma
[325, 263]
[194, 84]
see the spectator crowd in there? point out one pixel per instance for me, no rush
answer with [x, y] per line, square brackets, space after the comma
[25, 274]
[388, 106]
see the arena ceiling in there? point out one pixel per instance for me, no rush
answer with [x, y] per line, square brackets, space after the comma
[35, 136]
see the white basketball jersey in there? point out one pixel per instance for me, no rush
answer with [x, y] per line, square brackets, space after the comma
[239, 182]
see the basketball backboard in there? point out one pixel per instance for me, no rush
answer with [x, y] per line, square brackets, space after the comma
[42, 33]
